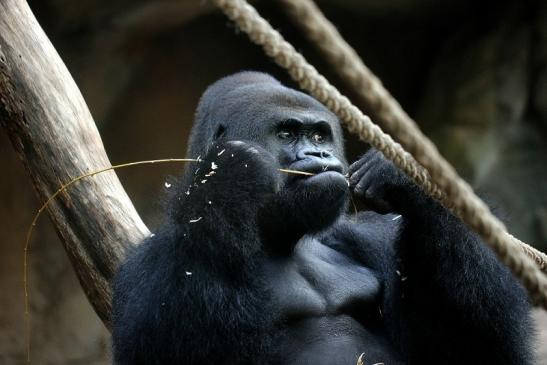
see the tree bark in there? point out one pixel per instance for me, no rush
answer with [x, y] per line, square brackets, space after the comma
[54, 134]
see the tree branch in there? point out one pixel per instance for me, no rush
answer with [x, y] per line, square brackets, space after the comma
[54, 134]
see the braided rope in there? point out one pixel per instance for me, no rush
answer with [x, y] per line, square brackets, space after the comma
[458, 195]
[368, 88]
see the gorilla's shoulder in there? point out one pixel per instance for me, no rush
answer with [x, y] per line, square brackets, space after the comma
[147, 264]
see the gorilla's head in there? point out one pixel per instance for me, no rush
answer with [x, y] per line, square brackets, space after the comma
[296, 129]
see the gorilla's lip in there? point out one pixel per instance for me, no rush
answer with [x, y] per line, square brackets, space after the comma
[315, 168]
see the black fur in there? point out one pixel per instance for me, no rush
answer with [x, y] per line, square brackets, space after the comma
[255, 266]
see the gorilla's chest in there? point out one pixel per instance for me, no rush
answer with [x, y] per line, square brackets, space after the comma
[317, 280]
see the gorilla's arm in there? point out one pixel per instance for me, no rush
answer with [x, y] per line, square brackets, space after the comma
[447, 298]
[205, 258]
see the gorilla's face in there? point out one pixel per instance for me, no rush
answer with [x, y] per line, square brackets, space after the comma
[309, 140]
[296, 129]
[305, 142]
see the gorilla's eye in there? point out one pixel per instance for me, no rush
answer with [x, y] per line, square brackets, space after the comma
[285, 134]
[318, 137]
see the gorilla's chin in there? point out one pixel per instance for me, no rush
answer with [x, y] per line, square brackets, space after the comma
[313, 203]
[319, 199]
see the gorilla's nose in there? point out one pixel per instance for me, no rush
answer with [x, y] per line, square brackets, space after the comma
[307, 153]
[316, 160]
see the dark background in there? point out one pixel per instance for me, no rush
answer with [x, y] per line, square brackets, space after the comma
[472, 73]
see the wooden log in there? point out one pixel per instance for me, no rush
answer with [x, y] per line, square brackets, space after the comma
[54, 134]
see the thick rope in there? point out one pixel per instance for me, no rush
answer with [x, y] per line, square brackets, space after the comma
[458, 195]
[368, 88]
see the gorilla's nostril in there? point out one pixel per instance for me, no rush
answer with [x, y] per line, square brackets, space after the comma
[320, 154]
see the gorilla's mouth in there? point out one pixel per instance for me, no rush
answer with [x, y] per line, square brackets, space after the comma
[314, 167]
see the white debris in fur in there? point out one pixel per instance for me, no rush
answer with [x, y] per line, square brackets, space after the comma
[220, 153]
[245, 165]
[167, 185]
[188, 273]
[152, 235]
[214, 166]
[203, 181]
[397, 217]
[195, 220]
[210, 202]
[211, 173]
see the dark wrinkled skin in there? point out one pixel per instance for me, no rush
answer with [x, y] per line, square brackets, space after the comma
[256, 266]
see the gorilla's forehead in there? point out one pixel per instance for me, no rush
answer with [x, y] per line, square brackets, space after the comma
[271, 102]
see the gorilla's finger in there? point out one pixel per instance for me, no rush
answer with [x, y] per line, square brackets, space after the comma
[362, 160]
[356, 176]
[356, 165]
[364, 183]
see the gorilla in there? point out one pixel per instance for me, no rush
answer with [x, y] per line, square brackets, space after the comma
[258, 266]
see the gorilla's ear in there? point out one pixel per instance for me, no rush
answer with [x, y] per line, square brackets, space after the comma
[220, 132]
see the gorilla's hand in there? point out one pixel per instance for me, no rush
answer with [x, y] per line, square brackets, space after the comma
[382, 186]
[237, 170]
